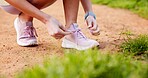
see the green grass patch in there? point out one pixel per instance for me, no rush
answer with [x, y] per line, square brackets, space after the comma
[138, 45]
[88, 64]
[137, 6]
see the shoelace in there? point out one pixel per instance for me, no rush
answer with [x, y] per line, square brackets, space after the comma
[80, 35]
[29, 31]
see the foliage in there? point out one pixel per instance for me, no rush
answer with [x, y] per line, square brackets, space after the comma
[88, 64]
[137, 6]
[138, 45]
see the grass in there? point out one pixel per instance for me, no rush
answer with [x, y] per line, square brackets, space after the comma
[88, 64]
[138, 45]
[139, 7]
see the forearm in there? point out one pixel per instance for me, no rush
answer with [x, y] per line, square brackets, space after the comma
[87, 5]
[28, 9]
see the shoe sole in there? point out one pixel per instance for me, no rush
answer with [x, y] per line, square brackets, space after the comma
[34, 43]
[70, 45]
[31, 44]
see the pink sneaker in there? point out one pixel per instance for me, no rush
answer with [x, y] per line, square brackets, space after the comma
[77, 40]
[25, 33]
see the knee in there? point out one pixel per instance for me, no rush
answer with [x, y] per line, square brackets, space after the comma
[12, 0]
[10, 9]
[41, 3]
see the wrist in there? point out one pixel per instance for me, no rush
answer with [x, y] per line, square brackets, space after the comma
[90, 13]
[46, 19]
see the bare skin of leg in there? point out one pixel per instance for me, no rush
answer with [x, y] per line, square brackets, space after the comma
[71, 11]
[27, 8]
[55, 28]
[77, 39]
[43, 4]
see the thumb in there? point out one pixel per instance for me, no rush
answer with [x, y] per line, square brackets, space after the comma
[65, 32]
[89, 23]
[62, 27]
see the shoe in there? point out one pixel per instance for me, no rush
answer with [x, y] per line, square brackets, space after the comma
[78, 40]
[26, 34]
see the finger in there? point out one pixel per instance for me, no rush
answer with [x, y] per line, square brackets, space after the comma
[94, 26]
[65, 32]
[89, 23]
[62, 28]
[58, 36]
[97, 32]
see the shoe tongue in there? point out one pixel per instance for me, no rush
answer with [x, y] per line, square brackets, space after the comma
[73, 27]
[29, 24]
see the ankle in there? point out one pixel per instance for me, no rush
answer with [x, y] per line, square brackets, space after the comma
[25, 18]
[68, 25]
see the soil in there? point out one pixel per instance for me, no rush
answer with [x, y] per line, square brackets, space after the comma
[112, 22]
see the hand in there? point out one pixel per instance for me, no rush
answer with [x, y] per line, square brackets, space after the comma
[92, 25]
[56, 29]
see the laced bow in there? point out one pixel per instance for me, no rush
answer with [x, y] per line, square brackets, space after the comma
[80, 35]
[29, 31]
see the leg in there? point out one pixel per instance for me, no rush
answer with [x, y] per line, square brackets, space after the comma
[71, 11]
[43, 4]
[54, 26]
[26, 34]
[31, 10]
[57, 33]
[77, 39]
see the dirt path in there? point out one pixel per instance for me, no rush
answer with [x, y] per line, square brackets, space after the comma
[112, 21]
